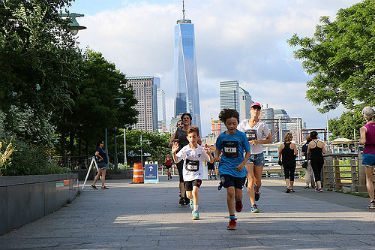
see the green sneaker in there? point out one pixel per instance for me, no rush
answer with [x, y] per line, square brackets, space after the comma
[195, 215]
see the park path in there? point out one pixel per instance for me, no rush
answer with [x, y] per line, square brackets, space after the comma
[146, 216]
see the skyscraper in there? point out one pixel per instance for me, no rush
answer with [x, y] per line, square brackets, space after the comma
[187, 96]
[244, 103]
[145, 91]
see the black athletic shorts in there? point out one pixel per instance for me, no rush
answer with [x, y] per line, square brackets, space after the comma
[231, 181]
[190, 184]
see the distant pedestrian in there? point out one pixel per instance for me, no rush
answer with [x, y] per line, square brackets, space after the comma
[192, 156]
[309, 174]
[287, 156]
[168, 165]
[211, 167]
[257, 134]
[230, 147]
[315, 151]
[102, 162]
[180, 136]
[367, 137]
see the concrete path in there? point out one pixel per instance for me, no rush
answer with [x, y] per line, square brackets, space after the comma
[146, 216]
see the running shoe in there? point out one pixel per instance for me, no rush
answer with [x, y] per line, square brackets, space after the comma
[257, 196]
[307, 187]
[220, 186]
[287, 190]
[195, 215]
[181, 202]
[254, 208]
[319, 190]
[371, 205]
[191, 204]
[239, 206]
[187, 201]
[94, 187]
[232, 225]
[104, 187]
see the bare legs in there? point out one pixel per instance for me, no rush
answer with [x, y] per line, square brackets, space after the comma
[369, 182]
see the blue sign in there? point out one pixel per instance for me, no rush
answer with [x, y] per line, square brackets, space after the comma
[151, 173]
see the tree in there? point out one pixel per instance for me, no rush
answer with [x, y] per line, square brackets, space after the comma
[340, 56]
[96, 104]
[39, 63]
[154, 143]
[346, 126]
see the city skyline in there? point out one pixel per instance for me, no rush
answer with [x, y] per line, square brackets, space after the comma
[241, 40]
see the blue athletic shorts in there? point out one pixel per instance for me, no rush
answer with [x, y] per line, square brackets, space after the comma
[368, 160]
[257, 159]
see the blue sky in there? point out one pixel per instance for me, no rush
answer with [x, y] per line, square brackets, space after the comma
[235, 40]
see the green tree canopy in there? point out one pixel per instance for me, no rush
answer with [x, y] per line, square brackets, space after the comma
[340, 57]
[97, 102]
[346, 126]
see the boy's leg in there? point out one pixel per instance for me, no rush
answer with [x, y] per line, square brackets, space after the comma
[231, 200]
[195, 197]
[189, 194]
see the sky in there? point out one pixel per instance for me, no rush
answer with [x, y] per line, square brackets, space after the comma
[235, 40]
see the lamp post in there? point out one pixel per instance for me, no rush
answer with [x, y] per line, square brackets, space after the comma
[116, 156]
[74, 26]
[125, 159]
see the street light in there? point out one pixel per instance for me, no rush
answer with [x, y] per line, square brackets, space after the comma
[74, 26]
[121, 103]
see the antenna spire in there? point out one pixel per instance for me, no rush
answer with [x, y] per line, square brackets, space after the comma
[183, 9]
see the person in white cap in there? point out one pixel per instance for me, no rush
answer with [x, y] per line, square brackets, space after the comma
[367, 138]
[257, 134]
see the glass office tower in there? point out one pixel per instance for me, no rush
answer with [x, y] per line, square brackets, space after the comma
[187, 96]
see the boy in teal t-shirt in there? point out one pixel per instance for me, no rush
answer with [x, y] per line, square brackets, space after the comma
[230, 148]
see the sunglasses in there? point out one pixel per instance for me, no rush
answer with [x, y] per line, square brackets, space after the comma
[256, 107]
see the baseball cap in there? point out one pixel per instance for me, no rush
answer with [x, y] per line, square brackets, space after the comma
[256, 104]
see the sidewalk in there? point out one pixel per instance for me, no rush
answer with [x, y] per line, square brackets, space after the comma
[146, 216]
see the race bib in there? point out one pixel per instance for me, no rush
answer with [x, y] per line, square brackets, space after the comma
[230, 149]
[192, 165]
[251, 134]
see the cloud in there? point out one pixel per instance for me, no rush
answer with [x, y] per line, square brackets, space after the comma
[235, 40]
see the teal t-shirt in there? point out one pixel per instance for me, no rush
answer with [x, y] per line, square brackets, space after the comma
[232, 149]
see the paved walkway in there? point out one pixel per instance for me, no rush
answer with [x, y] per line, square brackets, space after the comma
[146, 216]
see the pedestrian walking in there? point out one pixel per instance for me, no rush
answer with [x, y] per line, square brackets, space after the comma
[230, 148]
[315, 152]
[257, 134]
[367, 137]
[192, 156]
[309, 174]
[287, 156]
[211, 167]
[168, 165]
[102, 162]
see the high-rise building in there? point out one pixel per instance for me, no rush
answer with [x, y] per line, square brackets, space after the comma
[162, 120]
[229, 95]
[244, 103]
[145, 91]
[187, 96]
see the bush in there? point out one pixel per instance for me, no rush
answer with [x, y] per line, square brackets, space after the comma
[28, 159]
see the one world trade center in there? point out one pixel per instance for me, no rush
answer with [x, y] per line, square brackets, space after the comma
[187, 96]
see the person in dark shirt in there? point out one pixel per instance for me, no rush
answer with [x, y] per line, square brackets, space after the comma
[287, 156]
[102, 162]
